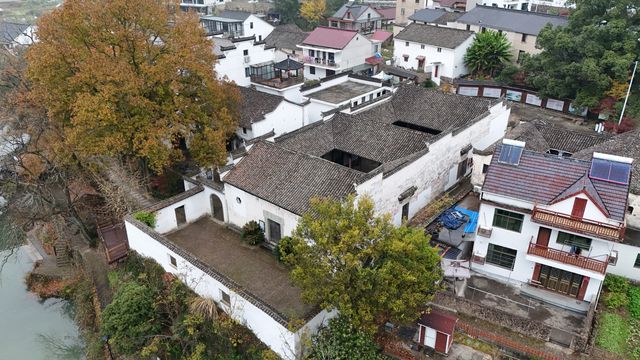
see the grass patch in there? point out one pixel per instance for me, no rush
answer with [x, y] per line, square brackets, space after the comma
[613, 333]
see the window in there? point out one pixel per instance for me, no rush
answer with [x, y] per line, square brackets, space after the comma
[181, 215]
[613, 257]
[485, 168]
[238, 200]
[483, 29]
[312, 70]
[173, 261]
[259, 37]
[520, 56]
[508, 220]
[247, 72]
[637, 263]
[417, 1]
[439, 49]
[250, 25]
[375, 48]
[406, 43]
[405, 212]
[579, 242]
[630, 209]
[468, 27]
[523, 38]
[245, 52]
[402, 10]
[225, 298]
[406, 58]
[422, 47]
[311, 53]
[510, 154]
[501, 256]
[244, 130]
[578, 207]
[368, 16]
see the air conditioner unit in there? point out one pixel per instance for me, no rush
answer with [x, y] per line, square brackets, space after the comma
[485, 232]
[477, 189]
[247, 59]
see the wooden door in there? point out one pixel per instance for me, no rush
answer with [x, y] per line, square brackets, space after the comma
[274, 231]
[441, 342]
[543, 236]
[181, 216]
[578, 208]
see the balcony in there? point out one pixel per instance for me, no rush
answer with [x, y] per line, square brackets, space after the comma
[320, 61]
[579, 225]
[568, 258]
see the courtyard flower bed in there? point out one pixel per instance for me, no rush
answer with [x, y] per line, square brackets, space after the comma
[618, 325]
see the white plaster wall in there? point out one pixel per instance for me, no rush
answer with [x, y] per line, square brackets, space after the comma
[254, 208]
[195, 207]
[529, 46]
[452, 60]
[260, 29]
[285, 118]
[633, 219]
[232, 66]
[591, 211]
[291, 93]
[477, 177]
[354, 54]
[627, 255]
[273, 334]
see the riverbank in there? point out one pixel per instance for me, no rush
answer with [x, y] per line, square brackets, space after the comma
[32, 329]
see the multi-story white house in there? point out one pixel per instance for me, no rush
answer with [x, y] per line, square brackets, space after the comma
[436, 50]
[554, 222]
[237, 56]
[520, 27]
[203, 7]
[328, 51]
[237, 24]
[360, 17]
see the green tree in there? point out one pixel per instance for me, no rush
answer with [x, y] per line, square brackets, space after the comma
[340, 340]
[130, 320]
[584, 59]
[489, 52]
[347, 258]
[127, 79]
[288, 10]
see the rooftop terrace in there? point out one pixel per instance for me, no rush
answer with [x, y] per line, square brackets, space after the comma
[342, 92]
[253, 268]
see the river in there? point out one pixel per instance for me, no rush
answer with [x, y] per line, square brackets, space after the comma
[31, 329]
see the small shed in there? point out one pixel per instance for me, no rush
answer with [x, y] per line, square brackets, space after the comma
[435, 330]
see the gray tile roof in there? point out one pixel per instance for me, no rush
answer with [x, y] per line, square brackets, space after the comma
[221, 43]
[625, 144]
[9, 31]
[524, 22]
[435, 16]
[541, 178]
[289, 179]
[255, 105]
[235, 15]
[286, 37]
[434, 35]
[356, 10]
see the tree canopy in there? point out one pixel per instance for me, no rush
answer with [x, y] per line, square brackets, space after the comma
[345, 257]
[586, 58]
[313, 10]
[340, 340]
[129, 79]
[489, 52]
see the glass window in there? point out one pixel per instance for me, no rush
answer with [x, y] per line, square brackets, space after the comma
[173, 261]
[573, 240]
[312, 70]
[637, 263]
[226, 299]
[508, 220]
[245, 52]
[422, 47]
[247, 71]
[501, 256]
[406, 43]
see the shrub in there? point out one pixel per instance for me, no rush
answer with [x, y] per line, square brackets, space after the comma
[616, 300]
[429, 84]
[252, 234]
[145, 217]
[615, 283]
[634, 302]
[341, 341]
[283, 248]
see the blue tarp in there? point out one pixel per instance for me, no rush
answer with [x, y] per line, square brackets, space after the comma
[471, 225]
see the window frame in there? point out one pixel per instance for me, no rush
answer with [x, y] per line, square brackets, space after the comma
[568, 239]
[173, 261]
[636, 264]
[508, 216]
[224, 301]
[492, 252]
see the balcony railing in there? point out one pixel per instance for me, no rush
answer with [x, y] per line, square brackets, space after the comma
[580, 225]
[320, 61]
[568, 258]
[277, 82]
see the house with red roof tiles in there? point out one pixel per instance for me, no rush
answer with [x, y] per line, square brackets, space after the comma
[328, 51]
[555, 225]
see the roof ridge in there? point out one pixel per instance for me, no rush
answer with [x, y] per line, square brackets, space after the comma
[443, 28]
[519, 11]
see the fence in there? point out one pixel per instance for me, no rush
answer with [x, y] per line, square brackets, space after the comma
[505, 342]
[490, 89]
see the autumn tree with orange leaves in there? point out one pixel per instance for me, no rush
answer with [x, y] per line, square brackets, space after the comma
[128, 80]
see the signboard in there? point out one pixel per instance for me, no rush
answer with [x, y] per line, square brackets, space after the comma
[514, 95]
[533, 100]
[555, 104]
[468, 90]
[492, 92]
[577, 111]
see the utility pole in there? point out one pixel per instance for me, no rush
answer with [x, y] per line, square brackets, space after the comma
[635, 66]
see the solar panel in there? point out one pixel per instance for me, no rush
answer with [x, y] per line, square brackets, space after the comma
[510, 154]
[608, 170]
